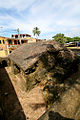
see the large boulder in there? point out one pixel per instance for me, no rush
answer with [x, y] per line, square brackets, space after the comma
[52, 67]
[48, 64]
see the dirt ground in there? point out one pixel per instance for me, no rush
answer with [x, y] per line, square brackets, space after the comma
[19, 103]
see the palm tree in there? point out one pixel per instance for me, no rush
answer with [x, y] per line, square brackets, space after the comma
[36, 31]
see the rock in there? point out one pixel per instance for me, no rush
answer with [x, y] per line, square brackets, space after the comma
[51, 115]
[49, 63]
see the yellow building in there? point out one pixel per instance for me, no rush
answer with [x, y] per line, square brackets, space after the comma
[25, 37]
[3, 50]
[7, 45]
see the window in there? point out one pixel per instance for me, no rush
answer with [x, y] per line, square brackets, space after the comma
[18, 42]
[15, 42]
[16, 36]
[23, 36]
[3, 42]
[0, 41]
[10, 51]
[9, 42]
[22, 41]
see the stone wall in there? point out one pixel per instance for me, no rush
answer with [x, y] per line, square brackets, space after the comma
[4, 62]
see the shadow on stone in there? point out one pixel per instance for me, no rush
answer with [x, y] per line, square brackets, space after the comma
[56, 116]
[10, 107]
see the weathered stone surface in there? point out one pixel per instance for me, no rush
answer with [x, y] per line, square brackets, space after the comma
[68, 104]
[43, 61]
[54, 116]
[48, 64]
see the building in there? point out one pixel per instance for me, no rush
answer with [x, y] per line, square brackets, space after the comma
[25, 37]
[21, 35]
[7, 45]
[3, 46]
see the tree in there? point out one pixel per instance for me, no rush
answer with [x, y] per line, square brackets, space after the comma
[69, 39]
[76, 39]
[60, 38]
[36, 31]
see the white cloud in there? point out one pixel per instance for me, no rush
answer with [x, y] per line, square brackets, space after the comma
[19, 5]
[49, 15]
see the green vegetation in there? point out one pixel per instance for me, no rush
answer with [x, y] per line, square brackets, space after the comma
[36, 31]
[69, 39]
[74, 39]
[63, 39]
[60, 38]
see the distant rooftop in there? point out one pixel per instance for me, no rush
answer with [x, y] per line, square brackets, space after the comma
[20, 35]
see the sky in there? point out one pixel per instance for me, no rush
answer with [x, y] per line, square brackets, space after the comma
[50, 16]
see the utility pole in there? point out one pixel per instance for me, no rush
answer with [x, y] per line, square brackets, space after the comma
[18, 31]
[19, 35]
